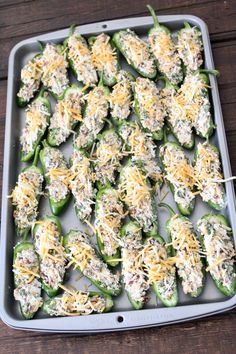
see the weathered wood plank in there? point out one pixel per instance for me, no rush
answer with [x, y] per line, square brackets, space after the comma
[45, 16]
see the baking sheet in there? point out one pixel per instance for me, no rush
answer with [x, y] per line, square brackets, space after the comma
[123, 316]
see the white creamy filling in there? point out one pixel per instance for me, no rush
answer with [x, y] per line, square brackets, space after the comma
[166, 53]
[190, 47]
[80, 55]
[54, 67]
[220, 251]
[151, 109]
[91, 266]
[35, 124]
[137, 51]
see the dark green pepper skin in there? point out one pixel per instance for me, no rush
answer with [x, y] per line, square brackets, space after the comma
[56, 207]
[183, 210]
[133, 227]
[116, 120]
[110, 260]
[90, 139]
[51, 138]
[24, 232]
[20, 101]
[155, 135]
[25, 245]
[51, 292]
[174, 299]
[161, 28]
[98, 284]
[106, 81]
[169, 230]
[190, 145]
[46, 103]
[223, 221]
[155, 225]
[116, 39]
[210, 202]
[109, 303]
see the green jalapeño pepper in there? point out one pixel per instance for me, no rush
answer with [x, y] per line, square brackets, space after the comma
[136, 192]
[85, 259]
[107, 156]
[80, 58]
[177, 114]
[38, 116]
[57, 176]
[54, 66]
[148, 107]
[26, 273]
[121, 97]
[26, 200]
[190, 47]
[68, 113]
[105, 58]
[164, 50]
[194, 94]
[217, 243]
[134, 279]
[180, 176]
[142, 149]
[186, 249]
[48, 245]
[31, 75]
[209, 176]
[81, 184]
[109, 212]
[160, 269]
[94, 117]
[78, 303]
[136, 52]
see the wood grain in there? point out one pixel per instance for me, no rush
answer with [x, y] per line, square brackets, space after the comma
[20, 19]
[16, 24]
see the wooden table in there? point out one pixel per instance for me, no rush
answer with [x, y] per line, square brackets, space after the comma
[20, 19]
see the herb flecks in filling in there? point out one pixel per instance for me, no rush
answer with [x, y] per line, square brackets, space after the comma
[54, 67]
[31, 75]
[190, 47]
[104, 56]
[81, 254]
[219, 249]
[36, 123]
[51, 252]
[25, 198]
[28, 286]
[166, 54]
[82, 184]
[109, 215]
[80, 55]
[150, 105]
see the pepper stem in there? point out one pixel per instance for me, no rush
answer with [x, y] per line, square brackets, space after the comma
[154, 16]
[100, 84]
[41, 92]
[166, 206]
[210, 71]
[45, 143]
[72, 29]
[165, 135]
[109, 123]
[187, 25]
[36, 156]
[41, 45]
